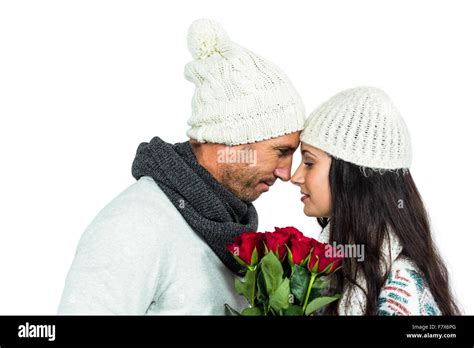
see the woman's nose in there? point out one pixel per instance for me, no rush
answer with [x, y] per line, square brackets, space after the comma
[297, 178]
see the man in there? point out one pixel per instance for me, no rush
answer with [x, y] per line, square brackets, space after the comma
[159, 247]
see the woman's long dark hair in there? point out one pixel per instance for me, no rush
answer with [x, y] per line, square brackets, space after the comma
[365, 204]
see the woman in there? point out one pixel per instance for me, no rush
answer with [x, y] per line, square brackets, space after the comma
[354, 178]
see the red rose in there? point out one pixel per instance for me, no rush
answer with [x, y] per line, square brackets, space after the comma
[292, 231]
[300, 247]
[244, 245]
[276, 242]
[318, 256]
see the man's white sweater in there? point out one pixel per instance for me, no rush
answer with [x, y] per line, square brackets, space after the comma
[139, 256]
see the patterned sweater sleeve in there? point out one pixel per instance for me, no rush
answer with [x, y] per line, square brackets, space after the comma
[406, 293]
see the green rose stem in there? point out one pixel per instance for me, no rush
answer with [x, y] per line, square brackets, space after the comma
[311, 282]
[253, 279]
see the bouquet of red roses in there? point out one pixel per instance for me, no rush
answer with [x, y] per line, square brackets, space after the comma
[286, 273]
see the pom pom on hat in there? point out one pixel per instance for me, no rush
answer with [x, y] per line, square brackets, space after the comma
[206, 38]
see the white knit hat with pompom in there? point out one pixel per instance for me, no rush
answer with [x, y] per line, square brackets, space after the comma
[362, 126]
[240, 98]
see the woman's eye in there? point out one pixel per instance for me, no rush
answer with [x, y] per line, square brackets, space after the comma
[308, 164]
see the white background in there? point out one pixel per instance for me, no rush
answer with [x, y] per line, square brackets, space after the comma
[82, 83]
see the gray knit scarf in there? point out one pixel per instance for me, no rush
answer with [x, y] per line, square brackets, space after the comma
[212, 211]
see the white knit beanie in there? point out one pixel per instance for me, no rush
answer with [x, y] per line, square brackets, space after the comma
[240, 98]
[361, 126]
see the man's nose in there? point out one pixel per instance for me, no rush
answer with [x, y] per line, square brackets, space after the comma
[284, 173]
